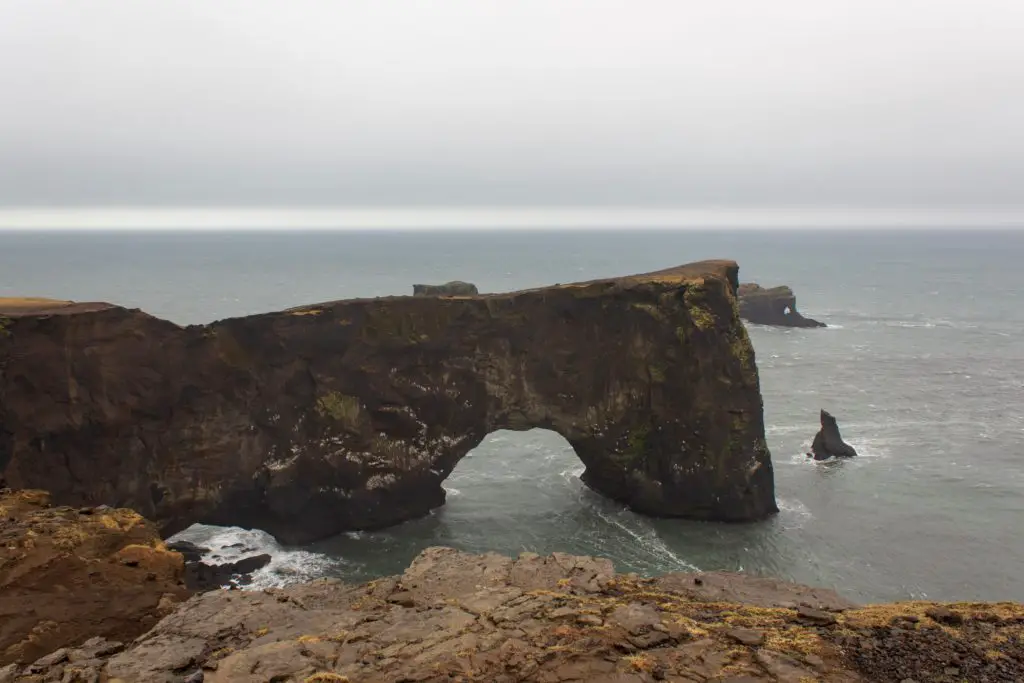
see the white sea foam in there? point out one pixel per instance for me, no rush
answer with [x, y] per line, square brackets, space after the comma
[285, 567]
[794, 513]
[649, 540]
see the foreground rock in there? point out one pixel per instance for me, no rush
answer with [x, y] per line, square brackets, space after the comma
[458, 617]
[775, 306]
[828, 442]
[69, 574]
[453, 288]
[349, 415]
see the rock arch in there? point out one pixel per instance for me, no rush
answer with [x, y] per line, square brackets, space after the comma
[349, 415]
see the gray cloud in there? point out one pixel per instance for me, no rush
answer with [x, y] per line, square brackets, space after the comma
[381, 102]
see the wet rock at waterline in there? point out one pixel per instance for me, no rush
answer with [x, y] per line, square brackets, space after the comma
[828, 443]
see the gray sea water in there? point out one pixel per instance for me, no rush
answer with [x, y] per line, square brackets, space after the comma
[922, 363]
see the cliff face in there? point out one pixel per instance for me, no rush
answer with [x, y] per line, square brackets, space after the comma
[774, 306]
[349, 415]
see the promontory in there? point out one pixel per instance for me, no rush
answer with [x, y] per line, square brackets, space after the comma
[350, 414]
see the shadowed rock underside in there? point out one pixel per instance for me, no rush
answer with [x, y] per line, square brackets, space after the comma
[349, 415]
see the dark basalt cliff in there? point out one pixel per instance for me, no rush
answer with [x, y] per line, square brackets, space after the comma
[774, 306]
[349, 415]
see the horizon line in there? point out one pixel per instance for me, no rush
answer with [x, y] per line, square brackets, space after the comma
[432, 217]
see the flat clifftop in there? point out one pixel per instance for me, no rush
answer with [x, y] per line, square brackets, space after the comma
[453, 616]
[349, 415]
[30, 306]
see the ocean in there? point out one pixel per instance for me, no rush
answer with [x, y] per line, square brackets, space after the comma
[922, 364]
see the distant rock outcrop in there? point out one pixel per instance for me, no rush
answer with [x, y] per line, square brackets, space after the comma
[828, 443]
[453, 288]
[775, 306]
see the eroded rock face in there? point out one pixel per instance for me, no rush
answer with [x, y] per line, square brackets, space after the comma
[71, 574]
[453, 288]
[349, 415]
[775, 306]
[452, 616]
[828, 442]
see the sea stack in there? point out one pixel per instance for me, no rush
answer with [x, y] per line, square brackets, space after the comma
[828, 443]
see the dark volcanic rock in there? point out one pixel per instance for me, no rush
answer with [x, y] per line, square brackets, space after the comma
[828, 443]
[453, 288]
[349, 415]
[775, 306]
[202, 576]
[190, 551]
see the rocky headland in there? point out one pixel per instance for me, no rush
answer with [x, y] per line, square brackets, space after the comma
[107, 610]
[350, 414]
[772, 306]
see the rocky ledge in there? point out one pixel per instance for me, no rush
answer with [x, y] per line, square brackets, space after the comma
[458, 617]
[71, 574]
[350, 414]
[775, 306]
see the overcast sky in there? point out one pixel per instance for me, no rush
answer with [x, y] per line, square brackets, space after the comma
[672, 103]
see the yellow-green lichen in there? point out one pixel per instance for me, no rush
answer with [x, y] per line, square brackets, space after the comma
[5, 326]
[657, 374]
[700, 313]
[341, 407]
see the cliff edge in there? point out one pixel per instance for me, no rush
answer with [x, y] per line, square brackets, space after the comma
[349, 414]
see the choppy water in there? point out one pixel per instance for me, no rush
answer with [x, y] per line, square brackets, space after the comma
[923, 365]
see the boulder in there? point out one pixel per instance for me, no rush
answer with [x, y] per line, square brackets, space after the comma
[775, 306]
[349, 415]
[204, 576]
[828, 443]
[453, 288]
